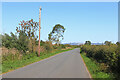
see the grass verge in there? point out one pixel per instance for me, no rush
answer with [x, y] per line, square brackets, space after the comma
[8, 66]
[94, 69]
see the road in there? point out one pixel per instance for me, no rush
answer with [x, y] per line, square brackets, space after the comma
[64, 65]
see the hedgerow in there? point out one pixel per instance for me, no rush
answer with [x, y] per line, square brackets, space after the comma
[107, 54]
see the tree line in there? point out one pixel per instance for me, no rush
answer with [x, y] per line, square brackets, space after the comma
[25, 41]
[25, 38]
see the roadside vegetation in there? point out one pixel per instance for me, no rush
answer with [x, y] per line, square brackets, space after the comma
[102, 60]
[21, 48]
[11, 61]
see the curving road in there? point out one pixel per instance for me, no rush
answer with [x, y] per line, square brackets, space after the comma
[64, 65]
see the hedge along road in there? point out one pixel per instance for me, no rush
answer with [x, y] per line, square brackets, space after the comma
[64, 65]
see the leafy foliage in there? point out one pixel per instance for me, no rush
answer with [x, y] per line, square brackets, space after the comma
[22, 43]
[87, 43]
[107, 43]
[9, 41]
[107, 54]
[95, 69]
[57, 34]
[29, 28]
[118, 61]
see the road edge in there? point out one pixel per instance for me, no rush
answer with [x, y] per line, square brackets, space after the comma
[86, 68]
[36, 61]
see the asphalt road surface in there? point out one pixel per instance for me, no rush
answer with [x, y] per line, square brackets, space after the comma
[64, 65]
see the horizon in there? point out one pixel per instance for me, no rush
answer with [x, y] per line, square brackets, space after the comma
[93, 21]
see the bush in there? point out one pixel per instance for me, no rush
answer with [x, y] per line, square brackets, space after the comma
[48, 46]
[106, 54]
[20, 43]
[62, 46]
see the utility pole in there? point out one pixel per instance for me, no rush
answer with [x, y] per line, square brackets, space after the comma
[39, 29]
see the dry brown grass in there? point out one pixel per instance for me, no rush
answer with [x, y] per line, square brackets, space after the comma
[68, 48]
[5, 51]
[9, 51]
[15, 53]
[42, 49]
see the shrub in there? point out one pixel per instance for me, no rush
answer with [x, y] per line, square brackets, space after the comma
[105, 54]
[48, 46]
[62, 46]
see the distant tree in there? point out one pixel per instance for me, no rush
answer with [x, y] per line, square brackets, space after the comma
[87, 43]
[118, 43]
[107, 43]
[57, 34]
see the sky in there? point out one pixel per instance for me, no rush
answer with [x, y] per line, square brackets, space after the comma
[94, 21]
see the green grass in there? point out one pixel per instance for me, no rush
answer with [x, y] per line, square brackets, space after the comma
[12, 65]
[94, 69]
